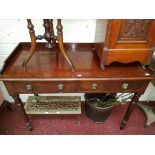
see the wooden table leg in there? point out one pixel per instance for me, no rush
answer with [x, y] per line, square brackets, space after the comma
[130, 109]
[21, 109]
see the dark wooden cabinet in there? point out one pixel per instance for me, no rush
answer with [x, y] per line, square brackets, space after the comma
[126, 41]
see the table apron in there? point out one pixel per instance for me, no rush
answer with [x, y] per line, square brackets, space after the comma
[32, 87]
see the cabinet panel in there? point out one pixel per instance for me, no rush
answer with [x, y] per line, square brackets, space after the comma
[127, 41]
[131, 33]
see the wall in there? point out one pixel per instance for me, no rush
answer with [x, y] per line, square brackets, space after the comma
[14, 31]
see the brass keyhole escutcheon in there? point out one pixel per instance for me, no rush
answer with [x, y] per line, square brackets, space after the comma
[94, 86]
[60, 87]
[29, 87]
[125, 86]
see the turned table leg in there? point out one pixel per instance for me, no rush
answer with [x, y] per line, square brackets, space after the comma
[21, 109]
[130, 109]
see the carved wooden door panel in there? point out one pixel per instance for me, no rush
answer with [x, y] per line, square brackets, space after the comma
[131, 33]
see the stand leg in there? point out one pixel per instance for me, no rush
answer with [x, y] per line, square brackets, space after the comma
[61, 44]
[130, 109]
[21, 109]
[33, 43]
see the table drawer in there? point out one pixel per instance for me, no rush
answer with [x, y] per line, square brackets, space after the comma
[113, 86]
[43, 87]
[76, 86]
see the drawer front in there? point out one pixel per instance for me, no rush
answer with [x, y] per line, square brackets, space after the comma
[113, 86]
[42, 87]
[76, 86]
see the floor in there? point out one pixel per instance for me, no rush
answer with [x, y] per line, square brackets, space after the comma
[11, 124]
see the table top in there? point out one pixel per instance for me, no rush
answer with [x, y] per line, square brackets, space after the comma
[44, 65]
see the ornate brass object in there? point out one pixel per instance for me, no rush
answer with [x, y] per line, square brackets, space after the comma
[53, 105]
[125, 86]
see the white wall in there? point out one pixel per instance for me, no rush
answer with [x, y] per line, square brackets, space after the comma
[15, 31]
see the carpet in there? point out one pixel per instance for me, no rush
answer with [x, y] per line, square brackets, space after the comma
[11, 124]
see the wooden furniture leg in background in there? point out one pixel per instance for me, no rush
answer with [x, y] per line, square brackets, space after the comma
[21, 109]
[149, 112]
[130, 109]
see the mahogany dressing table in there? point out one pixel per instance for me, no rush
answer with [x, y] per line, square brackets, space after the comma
[52, 74]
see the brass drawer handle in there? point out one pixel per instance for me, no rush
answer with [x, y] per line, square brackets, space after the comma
[125, 86]
[29, 87]
[60, 87]
[94, 86]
